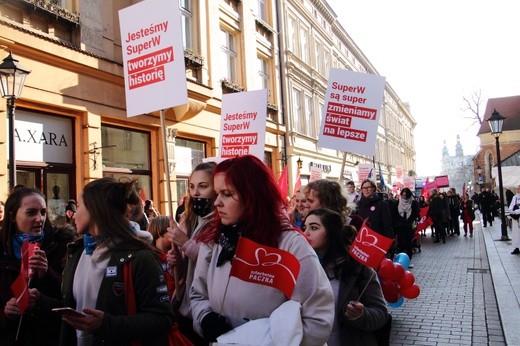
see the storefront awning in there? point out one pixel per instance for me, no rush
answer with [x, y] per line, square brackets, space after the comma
[185, 111]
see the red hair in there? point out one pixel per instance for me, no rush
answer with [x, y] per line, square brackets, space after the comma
[264, 206]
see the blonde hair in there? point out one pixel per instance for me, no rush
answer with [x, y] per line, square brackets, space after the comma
[158, 226]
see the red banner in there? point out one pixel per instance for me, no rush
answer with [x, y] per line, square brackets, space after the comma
[298, 181]
[428, 186]
[283, 182]
[20, 287]
[442, 181]
[369, 248]
[265, 265]
[424, 221]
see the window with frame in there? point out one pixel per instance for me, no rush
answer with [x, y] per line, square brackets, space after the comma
[126, 156]
[297, 110]
[188, 154]
[125, 148]
[233, 4]
[304, 45]
[186, 23]
[65, 4]
[261, 10]
[326, 63]
[309, 119]
[229, 55]
[291, 34]
[319, 57]
[262, 77]
[303, 113]
[268, 159]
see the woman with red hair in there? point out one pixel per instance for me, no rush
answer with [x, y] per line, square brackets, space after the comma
[250, 204]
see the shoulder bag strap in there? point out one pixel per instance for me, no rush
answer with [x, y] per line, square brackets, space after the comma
[131, 308]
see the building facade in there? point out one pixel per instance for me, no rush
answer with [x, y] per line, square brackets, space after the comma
[486, 159]
[313, 42]
[458, 168]
[71, 124]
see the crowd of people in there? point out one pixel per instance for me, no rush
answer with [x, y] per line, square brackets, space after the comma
[117, 272]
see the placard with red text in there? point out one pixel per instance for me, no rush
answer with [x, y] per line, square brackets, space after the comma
[242, 124]
[351, 113]
[153, 56]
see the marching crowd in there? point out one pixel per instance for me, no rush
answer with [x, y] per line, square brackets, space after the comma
[118, 273]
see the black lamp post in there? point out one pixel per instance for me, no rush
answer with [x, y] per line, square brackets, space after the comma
[12, 79]
[495, 124]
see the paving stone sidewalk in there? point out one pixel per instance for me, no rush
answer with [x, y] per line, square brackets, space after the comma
[458, 304]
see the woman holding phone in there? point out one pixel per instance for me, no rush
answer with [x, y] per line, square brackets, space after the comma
[100, 267]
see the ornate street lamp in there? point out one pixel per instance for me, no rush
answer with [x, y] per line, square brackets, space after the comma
[496, 121]
[299, 163]
[480, 180]
[12, 79]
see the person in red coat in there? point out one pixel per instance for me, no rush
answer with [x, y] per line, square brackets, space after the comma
[467, 215]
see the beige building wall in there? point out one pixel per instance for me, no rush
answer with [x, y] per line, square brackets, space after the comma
[314, 43]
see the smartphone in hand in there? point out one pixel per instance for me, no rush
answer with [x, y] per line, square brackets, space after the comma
[68, 311]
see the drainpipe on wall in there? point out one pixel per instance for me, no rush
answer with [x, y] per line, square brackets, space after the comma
[281, 57]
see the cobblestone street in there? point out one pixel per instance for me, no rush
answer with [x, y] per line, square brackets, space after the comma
[457, 304]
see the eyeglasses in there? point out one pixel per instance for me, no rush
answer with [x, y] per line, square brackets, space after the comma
[367, 187]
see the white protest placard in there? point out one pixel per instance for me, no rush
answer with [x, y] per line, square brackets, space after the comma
[351, 112]
[364, 171]
[399, 173]
[242, 124]
[153, 56]
[316, 174]
[409, 182]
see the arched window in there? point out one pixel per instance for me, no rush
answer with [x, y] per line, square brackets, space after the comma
[489, 165]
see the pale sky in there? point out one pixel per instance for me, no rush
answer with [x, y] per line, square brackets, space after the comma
[434, 53]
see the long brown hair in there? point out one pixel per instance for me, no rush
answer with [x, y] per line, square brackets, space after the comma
[106, 200]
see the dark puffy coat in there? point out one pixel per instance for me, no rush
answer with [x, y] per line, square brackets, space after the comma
[354, 278]
[378, 213]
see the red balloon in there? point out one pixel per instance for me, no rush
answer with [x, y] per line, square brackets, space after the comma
[386, 268]
[390, 290]
[411, 292]
[407, 280]
[398, 272]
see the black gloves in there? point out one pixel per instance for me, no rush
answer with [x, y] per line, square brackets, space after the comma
[214, 326]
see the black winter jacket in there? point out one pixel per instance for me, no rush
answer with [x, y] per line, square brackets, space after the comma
[378, 213]
[154, 316]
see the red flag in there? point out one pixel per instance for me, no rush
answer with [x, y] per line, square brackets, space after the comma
[265, 265]
[142, 195]
[298, 182]
[20, 287]
[283, 183]
[424, 221]
[427, 187]
[31, 247]
[369, 247]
